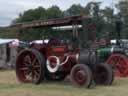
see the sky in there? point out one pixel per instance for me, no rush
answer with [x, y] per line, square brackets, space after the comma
[10, 9]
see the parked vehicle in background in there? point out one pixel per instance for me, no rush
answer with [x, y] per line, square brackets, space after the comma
[116, 53]
[8, 52]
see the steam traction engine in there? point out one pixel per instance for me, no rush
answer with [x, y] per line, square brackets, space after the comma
[116, 53]
[54, 60]
[117, 57]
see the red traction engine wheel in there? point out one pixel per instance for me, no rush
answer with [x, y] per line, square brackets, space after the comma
[119, 64]
[30, 66]
[81, 75]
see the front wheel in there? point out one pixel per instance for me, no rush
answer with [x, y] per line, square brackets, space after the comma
[104, 74]
[81, 75]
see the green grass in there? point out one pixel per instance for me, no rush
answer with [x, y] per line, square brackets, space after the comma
[9, 86]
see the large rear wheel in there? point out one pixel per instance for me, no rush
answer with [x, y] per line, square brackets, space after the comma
[81, 75]
[119, 64]
[30, 66]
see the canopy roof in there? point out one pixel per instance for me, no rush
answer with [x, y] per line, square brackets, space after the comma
[52, 22]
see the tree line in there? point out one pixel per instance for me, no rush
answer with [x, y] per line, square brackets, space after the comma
[103, 18]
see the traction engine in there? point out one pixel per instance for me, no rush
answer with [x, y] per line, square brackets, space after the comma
[55, 60]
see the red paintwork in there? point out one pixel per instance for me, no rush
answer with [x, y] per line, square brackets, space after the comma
[120, 62]
[60, 51]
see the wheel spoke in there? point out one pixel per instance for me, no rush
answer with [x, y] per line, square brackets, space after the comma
[36, 66]
[36, 74]
[112, 62]
[29, 76]
[115, 61]
[25, 63]
[28, 58]
[119, 60]
[24, 69]
[34, 61]
[33, 76]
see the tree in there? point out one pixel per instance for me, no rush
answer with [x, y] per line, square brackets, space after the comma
[75, 10]
[37, 14]
[30, 15]
[123, 13]
[109, 19]
[93, 9]
[54, 12]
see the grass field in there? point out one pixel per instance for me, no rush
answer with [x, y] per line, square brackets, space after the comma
[9, 86]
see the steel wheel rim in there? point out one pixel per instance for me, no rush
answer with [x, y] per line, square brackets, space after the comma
[119, 64]
[79, 76]
[28, 67]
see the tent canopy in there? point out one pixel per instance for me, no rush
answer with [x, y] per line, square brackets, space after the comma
[6, 41]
